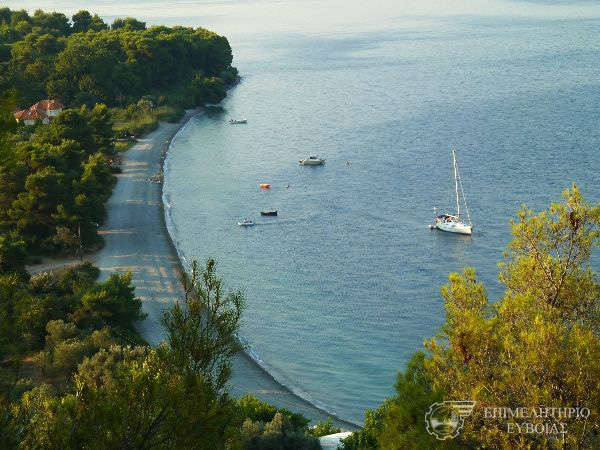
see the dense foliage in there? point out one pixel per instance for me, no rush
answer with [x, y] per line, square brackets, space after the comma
[85, 62]
[58, 319]
[266, 427]
[54, 181]
[73, 371]
[537, 347]
[87, 387]
[143, 116]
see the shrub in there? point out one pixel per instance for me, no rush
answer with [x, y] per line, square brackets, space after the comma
[324, 428]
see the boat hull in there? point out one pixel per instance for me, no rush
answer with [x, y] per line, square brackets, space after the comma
[452, 223]
[308, 162]
[454, 227]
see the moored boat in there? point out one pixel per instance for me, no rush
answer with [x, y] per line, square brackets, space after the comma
[268, 213]
[237, 121]
[265, 186]
[453, 223]
[312, 161]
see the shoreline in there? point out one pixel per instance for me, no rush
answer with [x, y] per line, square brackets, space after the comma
[134, 232]
[248, 376]
[137, 240]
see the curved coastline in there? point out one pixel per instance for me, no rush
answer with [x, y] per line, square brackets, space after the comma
[250, 373]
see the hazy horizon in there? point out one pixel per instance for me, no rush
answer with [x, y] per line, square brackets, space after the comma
[309, 15]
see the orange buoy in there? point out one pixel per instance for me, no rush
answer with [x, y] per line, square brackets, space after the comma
[265, 186]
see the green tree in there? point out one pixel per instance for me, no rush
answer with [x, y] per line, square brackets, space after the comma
[9, 334]
[50, 297]
[55, 184]
[67, 347]
[19, 16]
[101, 368]
[101, 125]
[277, 434]
[83, 21]
[168, 397]
[128, 23]
[208, 90]
[5, 15]
[539, 346]
[112, 302]
[89, 64]
[12, 256]
[324, 428]
[90, 129]
[7, 124]
[33, 210]
[41, 56]
[256, 411]
[98, 24]
[8, 172]
[201, 331]
[66, 239]
[54, 23]
[88, 209]
[75, 279]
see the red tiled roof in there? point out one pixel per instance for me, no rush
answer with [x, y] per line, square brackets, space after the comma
[31, 114]
[48, 105]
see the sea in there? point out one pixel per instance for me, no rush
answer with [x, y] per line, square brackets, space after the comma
[343, 286]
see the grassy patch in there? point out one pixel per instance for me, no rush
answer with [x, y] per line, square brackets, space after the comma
[123, 145]
[141, 118]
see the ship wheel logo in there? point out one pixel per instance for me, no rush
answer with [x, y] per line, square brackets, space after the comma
[445, 420]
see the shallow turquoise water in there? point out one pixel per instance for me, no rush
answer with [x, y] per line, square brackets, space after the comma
[343, 286]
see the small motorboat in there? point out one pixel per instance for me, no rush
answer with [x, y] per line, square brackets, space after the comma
[268, 213]
[265, 186]
[246, 223]
[237, 121]
[312, 161]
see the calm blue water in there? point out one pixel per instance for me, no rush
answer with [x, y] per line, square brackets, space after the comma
[343, 286]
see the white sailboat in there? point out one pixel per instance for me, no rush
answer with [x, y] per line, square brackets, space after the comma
[453, 222]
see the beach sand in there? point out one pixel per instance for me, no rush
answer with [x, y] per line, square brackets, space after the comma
[136, 240]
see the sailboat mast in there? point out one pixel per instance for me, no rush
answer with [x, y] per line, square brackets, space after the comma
[456, 183]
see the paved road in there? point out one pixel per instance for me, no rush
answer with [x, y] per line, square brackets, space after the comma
[134, 235]
[137, 241]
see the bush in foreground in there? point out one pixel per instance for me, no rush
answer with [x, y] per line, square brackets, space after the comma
[537, 347]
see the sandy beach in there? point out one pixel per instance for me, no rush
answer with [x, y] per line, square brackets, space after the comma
[136, 240]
